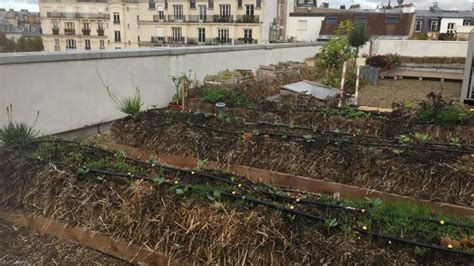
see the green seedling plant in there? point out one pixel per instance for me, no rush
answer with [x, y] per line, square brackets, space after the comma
[201, 164]
[330, 224]
[308, 138]
[421, 138]
[16, 134]
[455, 141]
[404, 139]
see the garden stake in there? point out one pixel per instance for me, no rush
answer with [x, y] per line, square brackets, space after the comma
[341, 90]
[356, 96]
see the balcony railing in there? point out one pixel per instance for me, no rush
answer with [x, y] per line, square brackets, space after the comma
[221, 41]
[55, 31]
[176, 18]
[158, 40]
[156, 18]
[245, 41]
[57, 48]
[77, 15]
[223, 19]
[69, 31]
[100, 32]
[87, 48]
[70, 47]
[196, 41]
[199, 19]
[175, 40]
[247, 19]
[86, 32]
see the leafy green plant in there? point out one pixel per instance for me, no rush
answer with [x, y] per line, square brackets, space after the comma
[330, 224]
[453, 114]
[308, 138]
[455, 141]
[17, 134]
[420, 137]
[201, 164]
[230, 97]
[359, 36]
[404, 139]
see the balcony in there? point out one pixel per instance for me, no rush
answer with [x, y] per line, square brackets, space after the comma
[55, 31]
[100, 32]
[199, 19]
[157, 40]
[70, 47]
[175, 40]
[222, 41]
[86, 32]
[245, 41]
[77, 15]
[223, 19]
[87, 48]
[196, 41]
[176, 18]
[69, 31]
[248, 19]
[156, 18]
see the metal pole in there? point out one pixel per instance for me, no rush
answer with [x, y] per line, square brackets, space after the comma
[343, 79]
[356, 96]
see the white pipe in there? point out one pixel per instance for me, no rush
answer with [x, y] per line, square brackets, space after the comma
[356, 96]
[343, 80]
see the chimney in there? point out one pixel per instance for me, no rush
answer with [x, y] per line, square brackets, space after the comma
[343, 7]
[436, 4]
[326, 5]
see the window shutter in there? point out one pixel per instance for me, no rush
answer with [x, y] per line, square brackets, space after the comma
[239, 3]
[211, 4]
[192, 4]
[259, 3]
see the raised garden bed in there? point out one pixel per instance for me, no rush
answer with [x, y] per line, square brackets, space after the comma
[367, 153]
[279, 70]
[226, 78]
[193, 215]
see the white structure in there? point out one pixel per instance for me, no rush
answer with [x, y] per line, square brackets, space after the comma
[67, 90]
[304, 29]
[448, 25]
[467, 95]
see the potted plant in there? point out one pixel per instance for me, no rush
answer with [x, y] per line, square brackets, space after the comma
[177, 102]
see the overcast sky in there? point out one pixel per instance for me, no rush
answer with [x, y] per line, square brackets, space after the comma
[421, 4]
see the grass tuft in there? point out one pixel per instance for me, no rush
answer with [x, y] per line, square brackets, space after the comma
[17, 134]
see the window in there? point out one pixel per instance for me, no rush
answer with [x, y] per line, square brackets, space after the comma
[248, 34]
[306, 3]
[418, 25]
[360, 20]
[117, 36]
[202, 13]
[302, 25]
[466, 22]
[55, 25]
[86, 25]
[192, 4]
[69, 25]
[331, 21]
[57, 47]
[391, 20]
[88, 44]
[434, 25]
[151, 4]
[249, 10]
[451, 28]
[161, 15]
[201, 34]
[116, 18]
[177, 34]
[223, 35]
[210, 3]
[70, 44]
[224, 10]
[178, 12]
[101, 44]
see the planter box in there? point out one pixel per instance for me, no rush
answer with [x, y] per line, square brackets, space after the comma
[371, 74]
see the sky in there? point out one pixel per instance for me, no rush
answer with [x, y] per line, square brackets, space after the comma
[32, 5]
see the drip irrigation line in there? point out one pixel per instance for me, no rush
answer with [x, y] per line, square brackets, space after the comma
[352, 135]
[335, 141]
[228, 181]
[299, 213]
[361, 231]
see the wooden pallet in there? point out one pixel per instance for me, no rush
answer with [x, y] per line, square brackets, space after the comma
[401, 73]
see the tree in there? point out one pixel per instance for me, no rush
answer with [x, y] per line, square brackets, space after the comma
[332, 56]
[6, 45]
[30, 44]
[400, 2]
[358, 36]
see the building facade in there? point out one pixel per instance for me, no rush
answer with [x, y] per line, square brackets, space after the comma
[16, 24]
[119, 24]
[437, 21]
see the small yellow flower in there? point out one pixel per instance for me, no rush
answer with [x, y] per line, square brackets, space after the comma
[233, 193]
[363, 210]
[298, 199]
[450, 246]
[364, 227]
[239, 185]
[129, 173]
[176, 182]
[193, 172]
[441, 222]
[153, 165]
[292, 207]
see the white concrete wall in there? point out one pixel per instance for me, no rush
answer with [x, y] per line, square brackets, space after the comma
[417, 48]
[304, 34]
[66, 88]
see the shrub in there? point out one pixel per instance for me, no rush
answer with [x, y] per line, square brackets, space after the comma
[437, 110]
[385, 62]
[453, 114]
[130, 105]
[16, 134]
[219, 94]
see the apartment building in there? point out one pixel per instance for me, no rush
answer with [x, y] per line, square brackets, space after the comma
[16, 24]
[119, 24]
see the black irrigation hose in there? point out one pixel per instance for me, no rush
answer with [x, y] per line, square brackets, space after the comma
[299, 213]
[345, 141]
[225, 180]
[352, 135]
[362, 231]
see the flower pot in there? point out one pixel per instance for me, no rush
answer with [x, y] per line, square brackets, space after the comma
[175, 106]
